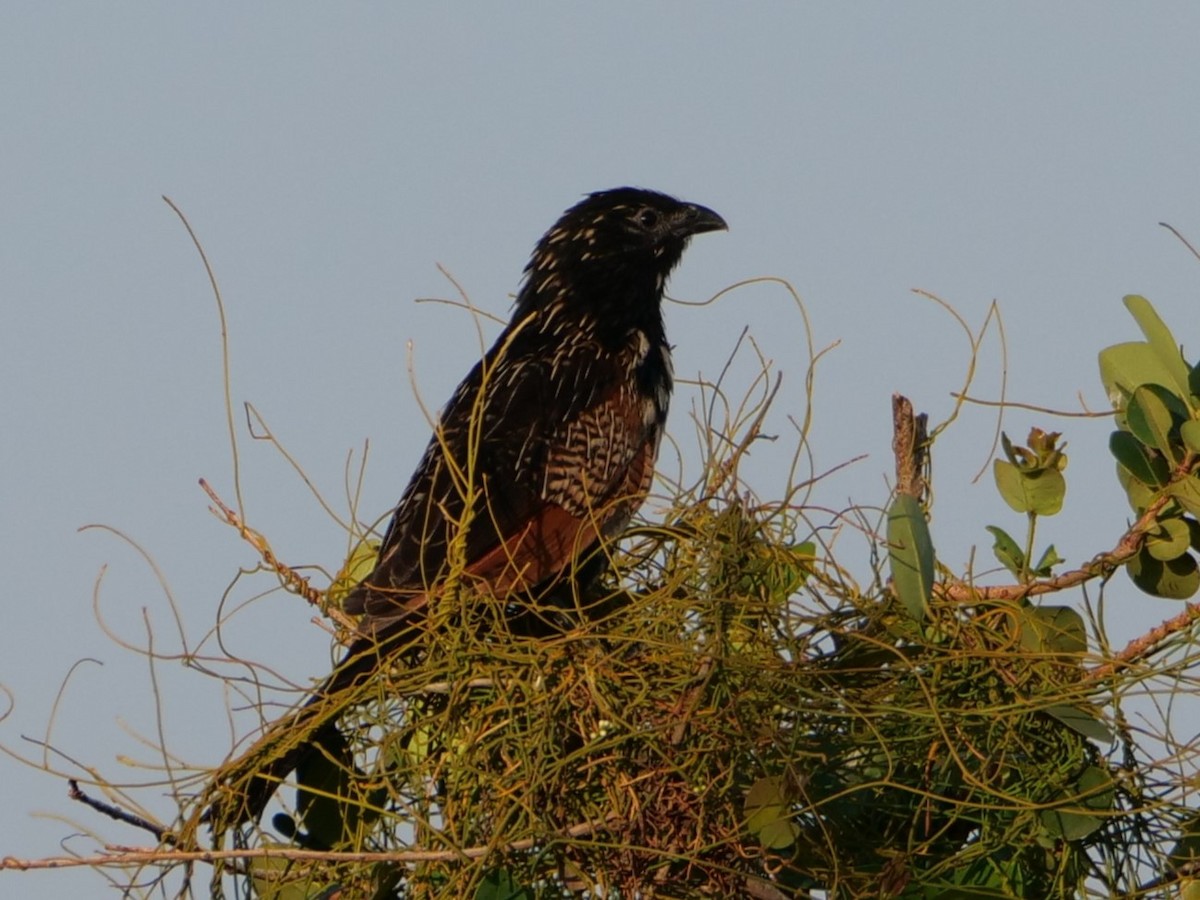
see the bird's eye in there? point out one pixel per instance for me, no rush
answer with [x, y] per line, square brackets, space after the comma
[647, 218]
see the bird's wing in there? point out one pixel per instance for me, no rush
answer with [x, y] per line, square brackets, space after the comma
[537, 451]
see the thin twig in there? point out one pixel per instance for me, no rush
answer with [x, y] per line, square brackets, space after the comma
[226, 378]
[113, 812]
[1033, 407]
[293, 581]
[1183, 240]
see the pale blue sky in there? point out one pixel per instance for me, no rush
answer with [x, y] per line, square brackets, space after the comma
[330, 157]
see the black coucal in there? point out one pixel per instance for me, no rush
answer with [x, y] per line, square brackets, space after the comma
[546, 448]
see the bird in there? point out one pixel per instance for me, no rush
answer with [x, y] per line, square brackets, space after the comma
[544, 451]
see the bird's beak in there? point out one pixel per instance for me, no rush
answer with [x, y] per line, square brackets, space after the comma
[697, 219]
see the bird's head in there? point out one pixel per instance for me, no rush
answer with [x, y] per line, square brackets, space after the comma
[625, 238]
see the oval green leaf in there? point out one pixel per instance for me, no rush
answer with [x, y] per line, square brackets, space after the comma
[1053, 629]
[1186, 493]
[1152, 415]
[910, 552]
[1123, 367]
[1161, 341]
[1170, 539]
[1046, 490]
[1008, 483]
[1146, 466]
[1040, 491]
[499, 884]
[1081, 722]
[1176, 579]
[279, 878]
[1187, 849]
[1136, 491]
[768, 816]
[1086, 808]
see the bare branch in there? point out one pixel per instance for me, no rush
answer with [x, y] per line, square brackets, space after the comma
[116, 855]
[292, 580]
[113, 812]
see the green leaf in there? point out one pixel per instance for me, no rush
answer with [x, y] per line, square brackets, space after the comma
[1045, 565]
[1160, 339]
[1152, 415]
[1194, 381]
[1176, 579]
[1096, 788]
[1053, 629]
[988, 877]
[1189, 432]
[1170, 538]
[1125, 367]
[1186, 493]
[768, 813]
[1136, 492]
[787, 569]
[499, 884]
[1187, 849]
[1010, 554]
[910, 551]
[1040, 492]
[1141, 462]
[1081, 722]
[1088, 805]
[276, 878]
[1069, 826]
[1008, 482]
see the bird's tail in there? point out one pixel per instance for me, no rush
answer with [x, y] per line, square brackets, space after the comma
[241, 790]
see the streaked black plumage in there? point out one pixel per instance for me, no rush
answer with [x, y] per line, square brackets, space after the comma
[546, 447]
